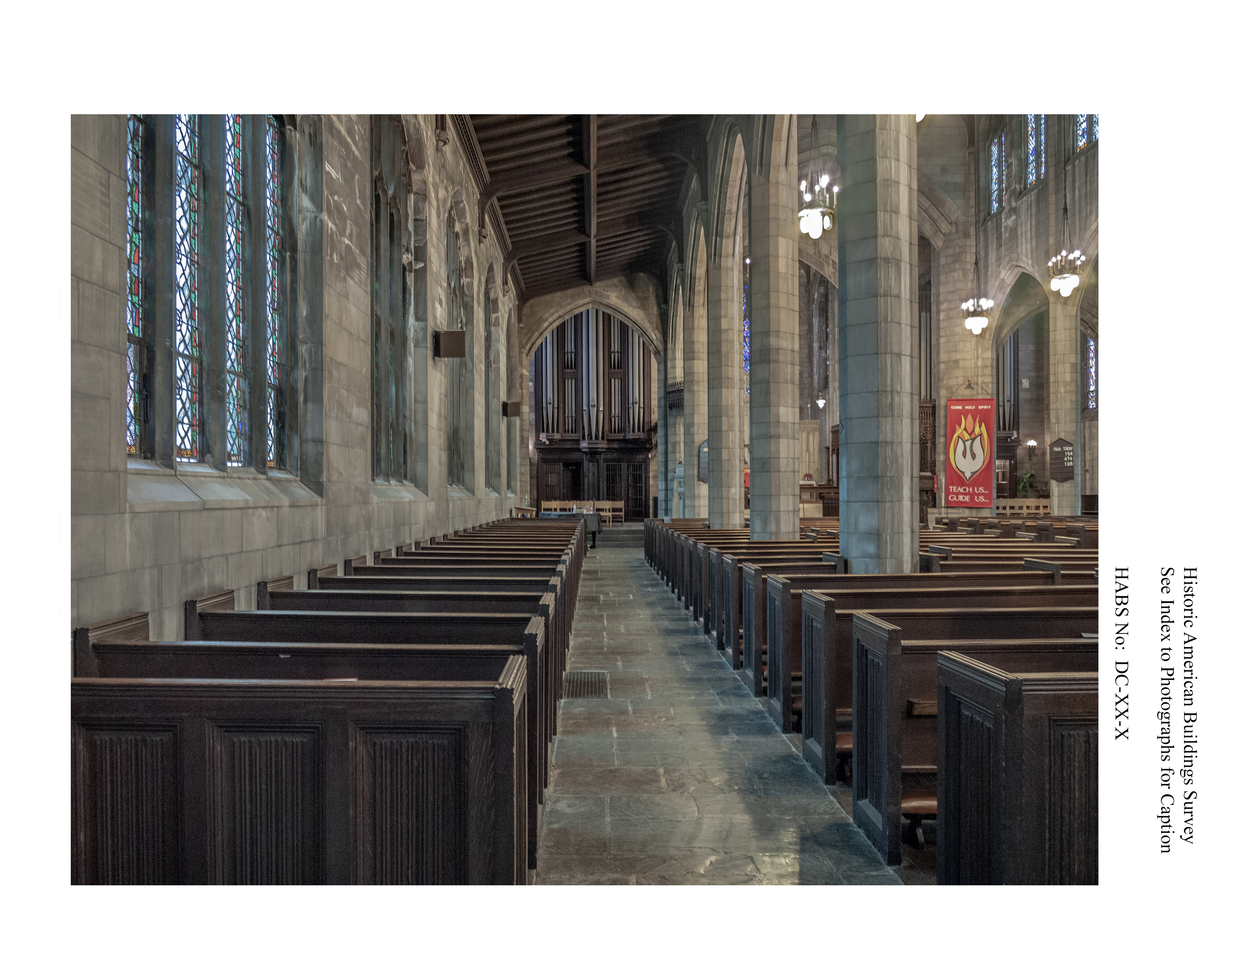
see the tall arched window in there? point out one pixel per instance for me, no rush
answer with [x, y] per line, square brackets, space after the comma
[1087, 130]
[492, 399]
[461, 406]
[277, 342]
[189, 440]
[389, 297]
[236, 345]
[205, 382]
[1035, 148]
[138, 336]
[998, 172]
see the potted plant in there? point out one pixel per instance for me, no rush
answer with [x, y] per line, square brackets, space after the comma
[1026, 485]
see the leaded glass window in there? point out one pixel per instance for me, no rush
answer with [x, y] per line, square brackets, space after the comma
[187, 335]
[276, 375]
[243, 272]
[1092, 373]
[234, 275]
[135, 346]
[997, 172]
[1087, 130]
[390, 302]
[1035, 148]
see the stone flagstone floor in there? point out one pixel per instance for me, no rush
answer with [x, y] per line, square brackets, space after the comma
[679, 777]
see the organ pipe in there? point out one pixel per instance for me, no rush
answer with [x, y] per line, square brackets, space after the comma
[580, 366]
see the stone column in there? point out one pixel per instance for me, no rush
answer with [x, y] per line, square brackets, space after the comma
[724, 495]
[664, 438]
[1064, 389]
[774, 339]
[877, 331]
[694, 340]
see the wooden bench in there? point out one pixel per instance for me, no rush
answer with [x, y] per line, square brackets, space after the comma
[291, 781]
[828, 655]
[1018, 772]
[523, 634]
[785, 665]
[896, 703]
[429, 602]
[748, 609]
[708, 580]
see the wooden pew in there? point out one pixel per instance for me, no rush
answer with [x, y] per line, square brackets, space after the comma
[785, 666]
[1018, 771]
[318, 573]
[752, 605]
[546, 692]
[264, 587]
[521, 633]
[709, 582]
[231, 781]
[828, 658]
[895, 701]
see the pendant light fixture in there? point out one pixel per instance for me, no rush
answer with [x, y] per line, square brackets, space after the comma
[1066, 266]
[819, 192]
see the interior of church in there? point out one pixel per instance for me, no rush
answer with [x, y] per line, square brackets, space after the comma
[659, 396]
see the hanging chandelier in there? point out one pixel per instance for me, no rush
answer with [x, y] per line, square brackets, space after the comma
[1066, 266]
[976, 308]
[819, 193]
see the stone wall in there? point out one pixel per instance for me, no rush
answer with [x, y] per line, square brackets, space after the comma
[146, 538]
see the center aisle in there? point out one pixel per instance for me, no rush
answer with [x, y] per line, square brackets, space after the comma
[679, 777]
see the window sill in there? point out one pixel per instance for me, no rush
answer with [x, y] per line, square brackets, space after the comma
[188, 486]
[394, 491]
[458, 492]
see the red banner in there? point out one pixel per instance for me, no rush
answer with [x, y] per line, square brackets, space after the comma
[970, 452]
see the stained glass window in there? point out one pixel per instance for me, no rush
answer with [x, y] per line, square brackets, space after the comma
[187, 336]
[1035, 148]
[390, 303]
[275, 350]
[997, 187]
[134, 283]
[745, 321]
[1087, 130]
[1092, 373]
[236, 348]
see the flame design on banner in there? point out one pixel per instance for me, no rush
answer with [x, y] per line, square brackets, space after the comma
[969, 449]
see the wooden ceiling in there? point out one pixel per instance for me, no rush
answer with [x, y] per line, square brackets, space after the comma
[576, 199]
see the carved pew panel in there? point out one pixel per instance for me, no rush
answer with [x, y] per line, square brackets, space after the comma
[297, 782]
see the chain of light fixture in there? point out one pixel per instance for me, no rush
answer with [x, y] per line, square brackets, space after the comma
[1065, 267]
[976, 308]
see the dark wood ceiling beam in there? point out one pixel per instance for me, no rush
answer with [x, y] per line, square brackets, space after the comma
[541, 200]
[532, 179]
[495, 128]
[552, 224]
[590, 192]
[552, 148]
[639, 182]
[529, 245]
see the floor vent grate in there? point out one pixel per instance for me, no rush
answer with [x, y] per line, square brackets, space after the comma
[586, 684]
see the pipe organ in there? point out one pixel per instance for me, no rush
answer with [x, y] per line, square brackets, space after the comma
[593, 395]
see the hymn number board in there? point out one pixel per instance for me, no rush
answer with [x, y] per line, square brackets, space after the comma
[1061, 461]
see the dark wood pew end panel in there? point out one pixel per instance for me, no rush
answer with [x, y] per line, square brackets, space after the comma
[223, 600]
[1018, 774]
[276, 585]
[132, 627]
[298, 782]
[318, 573]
